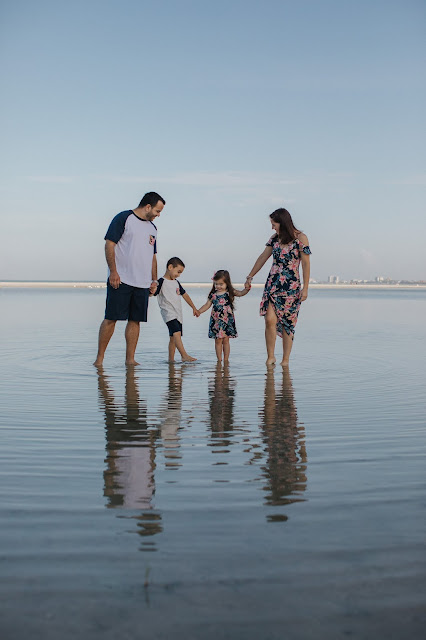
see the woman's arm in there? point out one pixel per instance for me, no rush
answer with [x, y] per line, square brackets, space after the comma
[264, 256]
[205, 306]
[241, 293]
[306, 267]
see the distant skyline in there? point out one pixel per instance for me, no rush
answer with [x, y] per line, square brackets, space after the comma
[228, 110]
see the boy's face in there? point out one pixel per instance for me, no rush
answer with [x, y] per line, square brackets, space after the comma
[175, 272]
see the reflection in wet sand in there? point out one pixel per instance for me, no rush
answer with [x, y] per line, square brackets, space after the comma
[221, 407]
[130, 453]
[171, 416]
[284, 440]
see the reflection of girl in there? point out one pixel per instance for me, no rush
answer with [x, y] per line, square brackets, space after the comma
[285, 470]
[222, 320]
[283, 293]
[221, 404]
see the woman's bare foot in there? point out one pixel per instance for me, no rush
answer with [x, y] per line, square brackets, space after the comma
[131, 363]
[284, 363]
[270, 362]
[98, 362]
[188, 359]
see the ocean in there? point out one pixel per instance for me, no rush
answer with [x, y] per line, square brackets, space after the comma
[202, 501]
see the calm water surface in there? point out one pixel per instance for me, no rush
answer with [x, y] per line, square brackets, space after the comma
[197, 501]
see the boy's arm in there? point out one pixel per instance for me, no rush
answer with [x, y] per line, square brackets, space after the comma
[241, 293]
[191, 304]
[205, 306]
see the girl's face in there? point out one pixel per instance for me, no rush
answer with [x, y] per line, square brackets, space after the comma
[220, 285]
[275, 226]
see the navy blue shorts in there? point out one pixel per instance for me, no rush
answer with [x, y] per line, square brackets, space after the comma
[126, 303]
[174, 326]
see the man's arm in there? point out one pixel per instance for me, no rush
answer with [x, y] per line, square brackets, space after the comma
[114, 278]
[191, 304]
[153, 287]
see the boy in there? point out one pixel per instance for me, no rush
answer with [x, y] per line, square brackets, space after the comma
[170, 292]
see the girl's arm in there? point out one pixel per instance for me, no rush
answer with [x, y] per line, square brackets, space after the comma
[264, 256]
[191, 304]
[241, 293]
[205, 306]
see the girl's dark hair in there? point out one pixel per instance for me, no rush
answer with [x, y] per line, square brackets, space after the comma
[288, 231]
[223, 274]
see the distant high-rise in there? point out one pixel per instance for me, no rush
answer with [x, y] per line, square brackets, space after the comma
[333, 279]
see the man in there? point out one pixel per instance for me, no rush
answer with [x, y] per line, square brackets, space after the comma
[130, 250]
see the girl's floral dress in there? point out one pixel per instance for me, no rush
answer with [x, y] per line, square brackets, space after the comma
[282, 287]
[222, 320]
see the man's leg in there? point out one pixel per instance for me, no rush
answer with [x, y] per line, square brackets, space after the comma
[132, 336]
[105, 334]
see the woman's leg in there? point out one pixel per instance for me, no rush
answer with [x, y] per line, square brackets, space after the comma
[218, 346]
[270, 333]
[226, 349]
[287, 345]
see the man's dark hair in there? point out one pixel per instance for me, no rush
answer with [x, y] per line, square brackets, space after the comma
[175, 262]
[151, 198]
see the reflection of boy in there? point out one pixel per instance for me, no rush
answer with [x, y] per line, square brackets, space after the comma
[170, 293]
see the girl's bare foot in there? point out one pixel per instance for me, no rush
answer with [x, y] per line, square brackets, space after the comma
[188, 359]
[132, 363]
[270, 361]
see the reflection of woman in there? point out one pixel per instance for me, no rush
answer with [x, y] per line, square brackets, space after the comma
[285, 470]
[283, 293]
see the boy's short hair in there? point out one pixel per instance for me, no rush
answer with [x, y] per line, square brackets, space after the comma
[175, 262]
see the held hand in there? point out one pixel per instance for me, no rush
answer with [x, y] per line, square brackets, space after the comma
[114, 280]
[196, 313]
[153, 287]
[304, 295]
[247, 284]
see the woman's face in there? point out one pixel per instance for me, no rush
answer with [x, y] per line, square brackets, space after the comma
[275, 226]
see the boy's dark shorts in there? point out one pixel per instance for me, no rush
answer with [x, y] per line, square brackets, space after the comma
[174, 326]
[126, 303]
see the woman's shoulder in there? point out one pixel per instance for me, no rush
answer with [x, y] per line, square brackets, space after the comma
[302, 237]
[272, 240]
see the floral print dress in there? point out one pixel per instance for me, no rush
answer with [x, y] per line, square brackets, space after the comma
[222, 320]
[282, 287]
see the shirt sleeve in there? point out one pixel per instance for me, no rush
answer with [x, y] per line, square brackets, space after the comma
[271, 240]
[116, 228]
[159, 285]
[181, 289]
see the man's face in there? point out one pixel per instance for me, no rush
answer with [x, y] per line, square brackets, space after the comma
[175, 272]
[153, 212]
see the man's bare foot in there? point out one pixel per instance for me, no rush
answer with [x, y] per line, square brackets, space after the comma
[270, 362]
[284, 363]
[98, 362]
[188, 359]
[131, 363]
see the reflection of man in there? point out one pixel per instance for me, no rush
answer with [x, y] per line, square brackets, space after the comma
[130, 251]
[130, 456]
[285, 470]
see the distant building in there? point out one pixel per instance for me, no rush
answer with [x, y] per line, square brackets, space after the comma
[333, 279]
[379, 279]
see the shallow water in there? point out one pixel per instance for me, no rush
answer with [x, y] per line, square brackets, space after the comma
[198, 501]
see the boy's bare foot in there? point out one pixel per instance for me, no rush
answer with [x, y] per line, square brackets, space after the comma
[98, 363]
[188, 359]
[131, 363]
[270, 362]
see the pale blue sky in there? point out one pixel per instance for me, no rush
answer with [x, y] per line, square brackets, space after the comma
[229, 110]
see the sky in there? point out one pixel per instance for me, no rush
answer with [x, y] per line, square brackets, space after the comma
[228, 109]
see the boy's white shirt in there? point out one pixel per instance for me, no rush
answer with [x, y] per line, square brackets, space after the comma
[170, 300]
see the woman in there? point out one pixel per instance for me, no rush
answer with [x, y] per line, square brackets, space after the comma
[283, 293]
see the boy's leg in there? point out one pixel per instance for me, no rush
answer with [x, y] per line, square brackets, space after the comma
[172, 349]
[218, 346]
[177, 337]
[226, 349]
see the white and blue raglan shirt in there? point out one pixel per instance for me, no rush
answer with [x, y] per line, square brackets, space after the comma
[136, 244]
[170, 294]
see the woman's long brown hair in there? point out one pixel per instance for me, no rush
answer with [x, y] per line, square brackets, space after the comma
[223, 274]
[288, 231]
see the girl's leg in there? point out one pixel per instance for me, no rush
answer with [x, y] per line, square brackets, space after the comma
[270, 333]
[226, 349]
[287, 345]
[218, 346]
[172, 349]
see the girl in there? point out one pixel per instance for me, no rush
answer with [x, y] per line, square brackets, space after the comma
[222, 321]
